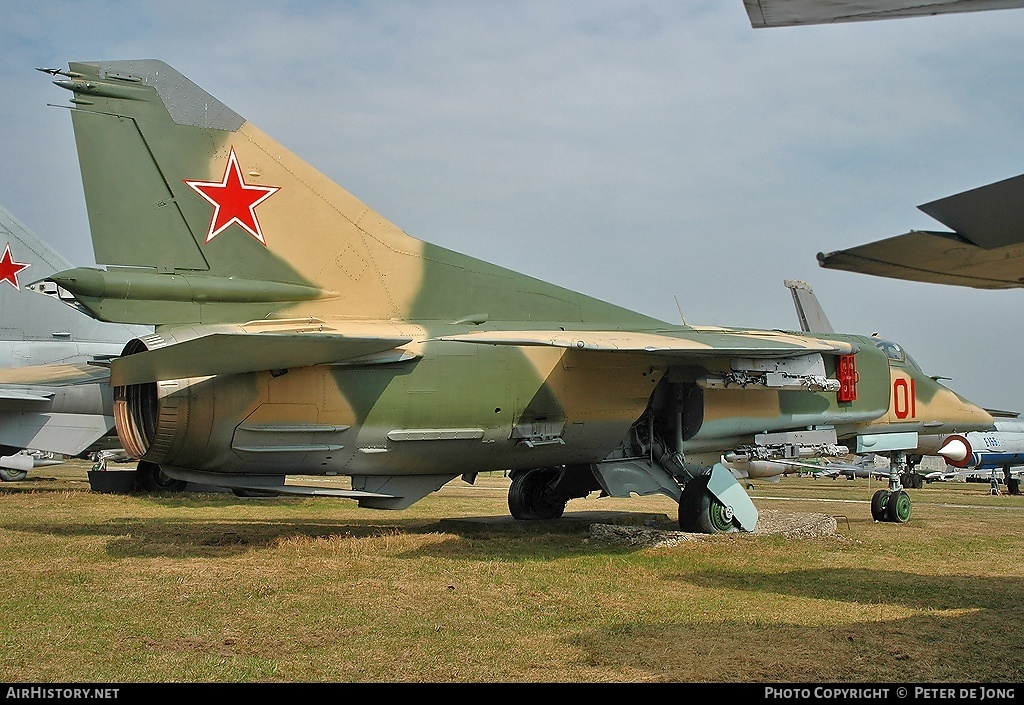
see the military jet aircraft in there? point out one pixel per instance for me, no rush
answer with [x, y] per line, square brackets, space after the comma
[299, 332]
[785, 13]
[40, 338]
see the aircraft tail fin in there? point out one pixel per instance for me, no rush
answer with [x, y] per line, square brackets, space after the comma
[205, 218]
[812, 317]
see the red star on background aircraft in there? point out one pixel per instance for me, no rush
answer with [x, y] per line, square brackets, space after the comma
[234, 201]
[9, 268]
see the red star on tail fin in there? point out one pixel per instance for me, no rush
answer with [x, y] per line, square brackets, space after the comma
[234, 201]
[9, 268]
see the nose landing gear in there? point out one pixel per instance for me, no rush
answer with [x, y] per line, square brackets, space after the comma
[894, 503]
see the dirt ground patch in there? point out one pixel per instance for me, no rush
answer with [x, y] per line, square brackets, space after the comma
[769, 522]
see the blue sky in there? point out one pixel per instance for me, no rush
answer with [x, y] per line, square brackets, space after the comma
[635, 151]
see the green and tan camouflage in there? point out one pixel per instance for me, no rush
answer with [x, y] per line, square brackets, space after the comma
[299, 332]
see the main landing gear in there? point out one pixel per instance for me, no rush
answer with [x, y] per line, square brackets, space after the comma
[534, 494]
[894, 503]
[152, 479]
[715, 503]
[701, 512]
[711, 503]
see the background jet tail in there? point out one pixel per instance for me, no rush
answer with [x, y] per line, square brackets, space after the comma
[26, 315]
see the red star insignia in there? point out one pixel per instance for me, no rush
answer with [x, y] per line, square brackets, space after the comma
[234, 201]
[9, 268]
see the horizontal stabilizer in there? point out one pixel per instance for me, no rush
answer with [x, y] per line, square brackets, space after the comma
[66, 433]
[234, 353]
[689, 342]
[23, 397]
[55, 375]
[311, 491]
[269, 485]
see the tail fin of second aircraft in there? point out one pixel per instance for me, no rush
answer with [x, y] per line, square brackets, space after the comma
[205, 218]
[27, 316]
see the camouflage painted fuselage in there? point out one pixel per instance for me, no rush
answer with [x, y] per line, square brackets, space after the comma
[300, 332]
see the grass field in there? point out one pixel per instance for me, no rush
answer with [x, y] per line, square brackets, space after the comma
[198, 587]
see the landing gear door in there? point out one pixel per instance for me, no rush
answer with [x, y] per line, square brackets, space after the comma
[727, 490]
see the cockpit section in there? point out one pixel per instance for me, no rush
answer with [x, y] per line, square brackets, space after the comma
[896, 353]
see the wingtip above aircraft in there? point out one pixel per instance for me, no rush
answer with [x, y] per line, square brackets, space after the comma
[299, 332]
[788, 13]
[984, 248]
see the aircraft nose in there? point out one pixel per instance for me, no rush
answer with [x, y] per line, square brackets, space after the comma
[954, 450]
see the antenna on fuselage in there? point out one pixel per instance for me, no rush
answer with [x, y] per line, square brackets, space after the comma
[680, 308]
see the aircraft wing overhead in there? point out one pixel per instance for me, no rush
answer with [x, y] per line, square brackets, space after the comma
[233, 353]
[787, 13]
[985, 251]
[938, 258]
[691, 342]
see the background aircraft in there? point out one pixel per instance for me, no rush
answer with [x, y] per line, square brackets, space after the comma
[301, 333]
[40, 338]
[998, 449]
[985, 249]
[784, 13]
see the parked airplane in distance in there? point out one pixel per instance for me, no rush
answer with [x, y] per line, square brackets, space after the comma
[1000, 449]
[41, 338]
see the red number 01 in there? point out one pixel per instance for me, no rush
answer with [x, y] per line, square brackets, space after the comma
[904, 401]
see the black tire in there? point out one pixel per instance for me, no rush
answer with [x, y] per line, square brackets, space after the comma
[8, 475]
[899, 508]
[529, 496]
[152, 479]
[879, 501]
[253, 493]
[700, 512]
